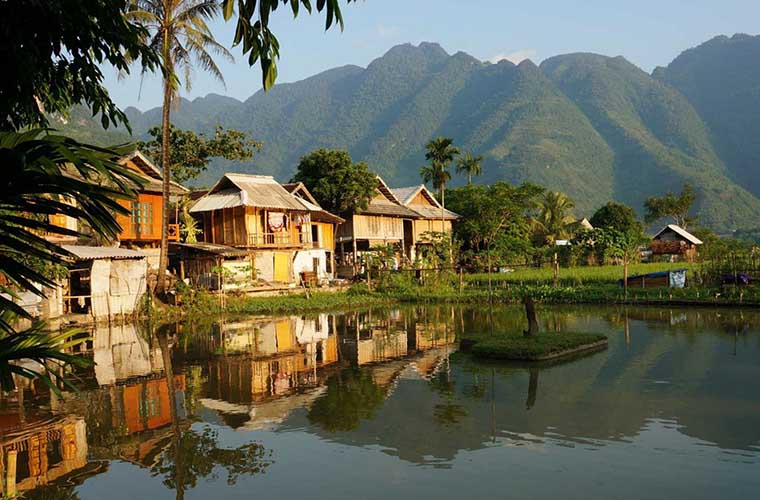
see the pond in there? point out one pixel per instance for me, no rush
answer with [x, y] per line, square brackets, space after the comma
[379, 404]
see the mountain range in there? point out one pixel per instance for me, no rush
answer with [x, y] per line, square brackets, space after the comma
[595, 127]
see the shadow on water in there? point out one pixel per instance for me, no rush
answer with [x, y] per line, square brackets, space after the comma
[165, 399]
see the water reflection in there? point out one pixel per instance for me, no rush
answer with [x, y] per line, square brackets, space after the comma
[203, 405]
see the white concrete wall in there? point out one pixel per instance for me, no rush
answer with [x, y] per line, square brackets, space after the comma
[100, 284]
[153, 255]
[304, 263]
[264, 263]
[127, 284]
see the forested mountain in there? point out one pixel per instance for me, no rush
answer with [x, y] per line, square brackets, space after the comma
[721, 79]
[595, 127]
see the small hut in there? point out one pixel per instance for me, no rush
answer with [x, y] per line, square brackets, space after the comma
[673, 240]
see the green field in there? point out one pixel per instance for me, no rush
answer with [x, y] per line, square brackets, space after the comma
[572, 276]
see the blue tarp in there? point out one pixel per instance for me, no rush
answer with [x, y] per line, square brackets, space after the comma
[676, 277]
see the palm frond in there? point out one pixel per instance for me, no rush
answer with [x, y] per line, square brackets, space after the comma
[44, 351]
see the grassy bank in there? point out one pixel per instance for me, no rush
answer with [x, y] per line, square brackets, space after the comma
[572, 276]
[506, 290]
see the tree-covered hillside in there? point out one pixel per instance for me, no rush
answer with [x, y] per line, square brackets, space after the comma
[721, 79]
[595, 127]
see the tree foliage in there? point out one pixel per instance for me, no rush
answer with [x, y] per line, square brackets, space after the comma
[470, 166]
[495, 219]
[258, 41]
[675, 207]
[617, 216]
[53, 52]
[190, 153]
[554, 217]
[440, 152]
[44, 175]
[339, 185]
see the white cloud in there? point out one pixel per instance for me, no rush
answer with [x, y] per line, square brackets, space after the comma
[515, 57]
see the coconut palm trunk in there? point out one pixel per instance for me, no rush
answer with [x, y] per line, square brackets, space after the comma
[163, 262]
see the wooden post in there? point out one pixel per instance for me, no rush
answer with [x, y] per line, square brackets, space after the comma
[10, 477]
[530, 313]
[369, 279]
[461, 281]
[556, 270]
[356, 257]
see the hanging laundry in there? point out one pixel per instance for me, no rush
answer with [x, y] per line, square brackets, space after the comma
[276, 221]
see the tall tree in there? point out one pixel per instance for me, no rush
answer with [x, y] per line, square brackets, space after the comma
[181, 37]
[440, 153]
[554, 216]
[190, 153]
[675, 207]
[339, 185]
[470, 166]
[617, 216]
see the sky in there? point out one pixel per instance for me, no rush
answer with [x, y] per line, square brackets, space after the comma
[649, 33]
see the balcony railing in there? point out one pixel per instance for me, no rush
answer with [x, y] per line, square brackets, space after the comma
[280, 239]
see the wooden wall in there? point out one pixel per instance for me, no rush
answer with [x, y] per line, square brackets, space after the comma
[430, 225]
[125, 221]
[371, 227]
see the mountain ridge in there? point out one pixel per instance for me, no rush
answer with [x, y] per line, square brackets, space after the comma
[593, 126]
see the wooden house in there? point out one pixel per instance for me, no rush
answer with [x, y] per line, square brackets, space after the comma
[432, 217]
[675, 241]
[385, 221]
[257, 214]
[142, 227]
[323, 225]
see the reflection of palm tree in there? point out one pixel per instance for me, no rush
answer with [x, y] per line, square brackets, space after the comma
[193, 455]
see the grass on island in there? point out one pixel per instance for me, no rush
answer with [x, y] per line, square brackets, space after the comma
[544, 346]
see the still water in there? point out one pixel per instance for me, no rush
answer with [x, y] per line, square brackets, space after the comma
[379, 404]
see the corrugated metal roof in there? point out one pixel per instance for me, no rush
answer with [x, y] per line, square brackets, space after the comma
[99, 253]
[681, 232]
[434, 213]
[405, 194]
[389, 209]
[260, 191]
[212, 248]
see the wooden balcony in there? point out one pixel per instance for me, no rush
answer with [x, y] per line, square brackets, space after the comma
[282, 239]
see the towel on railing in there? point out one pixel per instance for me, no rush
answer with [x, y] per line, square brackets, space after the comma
[277, 221]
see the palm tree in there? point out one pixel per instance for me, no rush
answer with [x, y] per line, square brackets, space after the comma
[43, 175]
[554, 216]
[181, 37]
[469, 165]
[440, 153]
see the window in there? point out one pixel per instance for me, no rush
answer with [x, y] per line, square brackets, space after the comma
[142, 218]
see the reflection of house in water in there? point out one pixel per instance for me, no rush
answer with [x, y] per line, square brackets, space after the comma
[37, 454]
[120, 353]
[277, 357]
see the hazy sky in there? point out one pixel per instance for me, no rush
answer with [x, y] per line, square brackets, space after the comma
[649, 33]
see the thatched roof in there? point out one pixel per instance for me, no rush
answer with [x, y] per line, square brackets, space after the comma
[236, 190]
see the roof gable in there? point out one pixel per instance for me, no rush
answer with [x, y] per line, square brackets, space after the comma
[680, 232]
